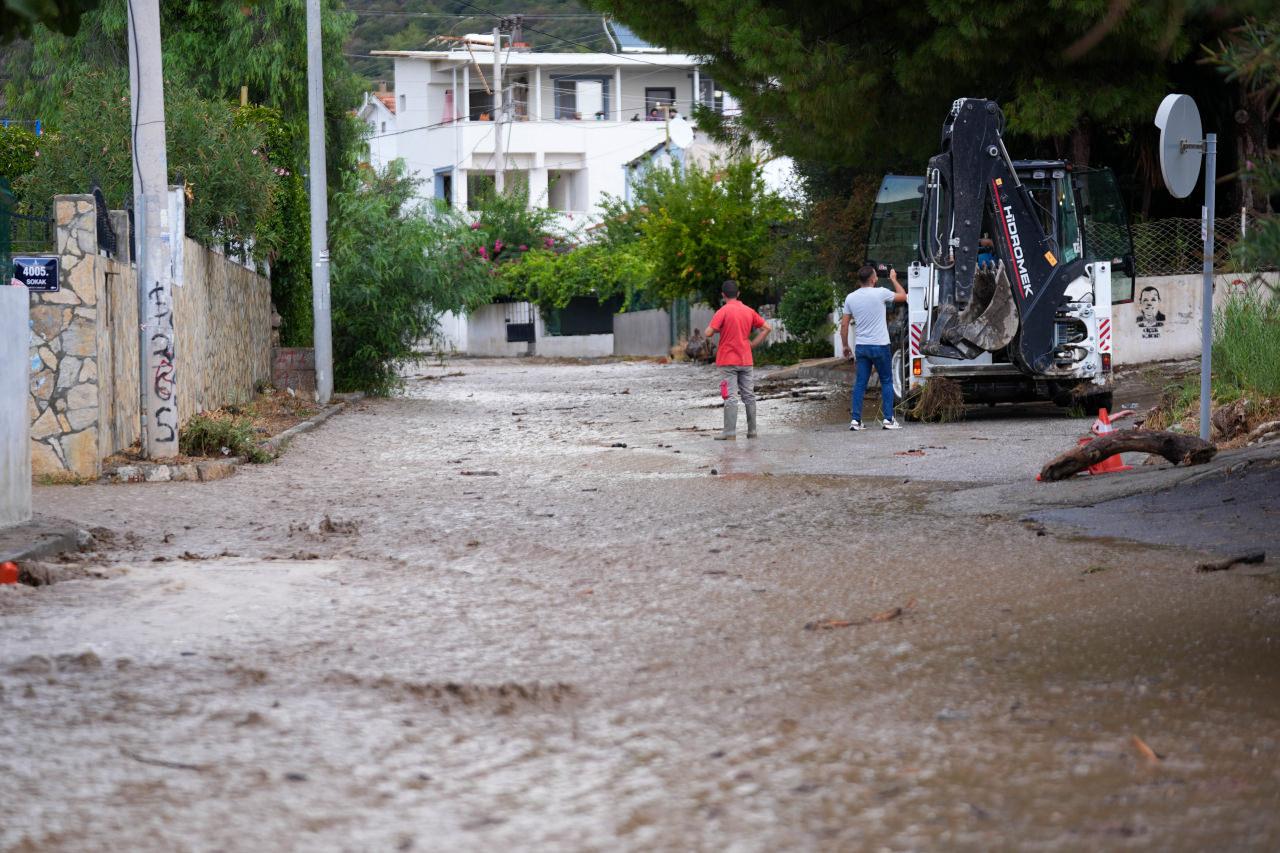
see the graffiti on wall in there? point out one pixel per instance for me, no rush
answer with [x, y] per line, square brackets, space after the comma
[164, 411]
[1150, 317]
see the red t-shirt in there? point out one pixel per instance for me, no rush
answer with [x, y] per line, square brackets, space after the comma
[735, 322]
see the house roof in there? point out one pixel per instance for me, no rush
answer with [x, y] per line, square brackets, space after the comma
[516, 59]
[388, 100]
[629, 42]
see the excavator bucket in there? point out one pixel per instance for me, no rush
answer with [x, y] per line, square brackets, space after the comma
[990, 320]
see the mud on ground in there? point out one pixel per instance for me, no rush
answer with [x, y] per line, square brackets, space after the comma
[535, 606]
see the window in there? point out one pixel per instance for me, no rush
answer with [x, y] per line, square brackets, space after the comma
[402, 103]
[384, 127]
[481, 105]
[709, 95]
[581, 96]
[658, 99]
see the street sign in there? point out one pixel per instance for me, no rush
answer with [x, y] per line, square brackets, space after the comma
[40, 275]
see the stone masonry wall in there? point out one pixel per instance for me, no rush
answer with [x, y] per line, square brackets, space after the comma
[85, 398]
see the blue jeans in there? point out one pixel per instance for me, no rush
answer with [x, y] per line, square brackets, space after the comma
[880, 357]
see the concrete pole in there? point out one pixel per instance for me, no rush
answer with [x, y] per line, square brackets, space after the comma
[322, 330]
[499, 154]
[1206, 319]
[156, 362]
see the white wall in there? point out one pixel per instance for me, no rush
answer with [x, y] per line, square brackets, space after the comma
[15, 443]
[1178, 334]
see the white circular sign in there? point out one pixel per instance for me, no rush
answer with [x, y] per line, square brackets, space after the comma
[1179, 123]
[681, 132]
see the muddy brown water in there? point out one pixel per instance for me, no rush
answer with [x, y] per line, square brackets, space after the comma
[512, 634]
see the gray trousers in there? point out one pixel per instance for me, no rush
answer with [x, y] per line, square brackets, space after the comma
[740, 384]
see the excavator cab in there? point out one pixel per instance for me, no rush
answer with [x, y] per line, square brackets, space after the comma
[1011, 267]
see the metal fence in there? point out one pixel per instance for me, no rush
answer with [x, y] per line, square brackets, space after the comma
[21, 233]
[1176, 247]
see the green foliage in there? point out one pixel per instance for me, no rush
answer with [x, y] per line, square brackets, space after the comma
[806, 309]
[230, 185]
[1246, 343]
[867, 83]
[18, 17]
[550, 279]
[698, 227]
[791, 352]
[395, 269]
[206, 435]
[1251, 56]
[19, 151]
[211, 49]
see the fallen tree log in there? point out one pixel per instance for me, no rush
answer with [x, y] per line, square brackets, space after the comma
[1177, 448]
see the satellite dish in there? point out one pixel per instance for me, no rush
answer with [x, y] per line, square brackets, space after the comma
[681, 132]
[1181, 144]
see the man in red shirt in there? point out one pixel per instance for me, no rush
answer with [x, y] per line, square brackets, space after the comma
[735, 323]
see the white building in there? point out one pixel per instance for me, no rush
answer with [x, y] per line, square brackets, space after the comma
[573, 121]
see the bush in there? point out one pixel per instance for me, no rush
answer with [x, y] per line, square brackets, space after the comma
[806, 308]
[19, 151]
[792, 351]
[206, 435]
[1246, 343]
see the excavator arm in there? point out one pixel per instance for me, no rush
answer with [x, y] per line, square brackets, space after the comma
[1012, 302]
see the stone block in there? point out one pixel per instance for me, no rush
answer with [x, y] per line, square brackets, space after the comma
[47, 321]
[80, 449]
[78, 419]
[215, 469]
[80, 279]
[50, 360]
[80, 339]
[83, 397]
[68, 371]
[42, 384]
[89, 370]
[44, 460]
[185, 472]
[45, 425]
[128, 474]
[158, 474]
[63, 424]
[66, 296]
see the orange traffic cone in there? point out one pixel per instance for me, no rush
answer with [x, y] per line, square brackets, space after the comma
[1111, 464]
[8, 573]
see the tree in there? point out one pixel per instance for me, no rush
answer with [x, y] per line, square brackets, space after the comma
[1251, 57]
[699, 226]
[230, 184]
[867, 83]
[18, 17]
[212, 48]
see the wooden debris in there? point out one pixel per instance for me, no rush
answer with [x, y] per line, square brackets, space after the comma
[1229, 562]
[1145, 751]
[1177, 448]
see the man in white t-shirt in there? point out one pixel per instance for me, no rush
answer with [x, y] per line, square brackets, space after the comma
[866, 306]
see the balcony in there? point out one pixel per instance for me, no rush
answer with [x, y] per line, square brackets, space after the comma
[621, 140]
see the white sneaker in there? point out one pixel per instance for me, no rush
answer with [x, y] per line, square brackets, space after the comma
[892, 423]
[855, 425]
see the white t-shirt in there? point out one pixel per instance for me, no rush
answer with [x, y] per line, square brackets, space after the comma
[866, 306]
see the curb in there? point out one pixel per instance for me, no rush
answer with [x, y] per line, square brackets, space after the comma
[42, 536]
[217, 469]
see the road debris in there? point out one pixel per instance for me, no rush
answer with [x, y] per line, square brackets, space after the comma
[1175, 447]
[1252, 557]
[1145, 751]
[889, 615]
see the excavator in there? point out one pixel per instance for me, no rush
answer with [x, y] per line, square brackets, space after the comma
[1012, 271]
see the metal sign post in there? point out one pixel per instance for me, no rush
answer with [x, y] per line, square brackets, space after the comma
[1181, 147]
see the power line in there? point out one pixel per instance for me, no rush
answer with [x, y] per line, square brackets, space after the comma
[562, 38]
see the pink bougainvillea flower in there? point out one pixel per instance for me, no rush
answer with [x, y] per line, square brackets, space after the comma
[475, 226]
[497, 246]
[523, 247]
[484, 253]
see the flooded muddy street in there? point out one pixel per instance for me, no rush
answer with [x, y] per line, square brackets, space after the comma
[535, 606]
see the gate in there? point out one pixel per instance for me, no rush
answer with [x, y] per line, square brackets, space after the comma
[20, 233]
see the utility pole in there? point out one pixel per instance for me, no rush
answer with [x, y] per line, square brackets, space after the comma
[322, 330]
[156, 367]
[499, 155]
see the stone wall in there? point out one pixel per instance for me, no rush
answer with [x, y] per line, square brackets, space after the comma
[85, 380]
[294, 367]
